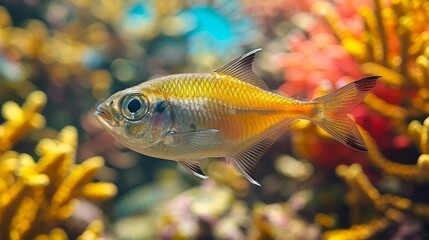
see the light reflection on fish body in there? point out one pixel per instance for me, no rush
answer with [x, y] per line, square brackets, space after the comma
[228, 113]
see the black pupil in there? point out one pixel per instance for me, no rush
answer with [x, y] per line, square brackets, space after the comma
[134, 105]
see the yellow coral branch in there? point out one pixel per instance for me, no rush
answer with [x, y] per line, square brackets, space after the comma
[26, 214]
[100, 191]
[361, 188]
[390, 205]
[395, 43]
[386, 109]
[403, 171]
[8, 203]
[54, 234]
[414, 131]
[36, 196]
[21, 120]
[419, 209]
[80, 175]
[374, 30]
[93, 232]
[361, 231]
[8, 163]
[389, 76]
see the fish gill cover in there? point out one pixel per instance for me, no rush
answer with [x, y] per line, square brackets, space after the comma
[59, 58]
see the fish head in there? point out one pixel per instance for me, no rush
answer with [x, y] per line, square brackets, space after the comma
[138, 117]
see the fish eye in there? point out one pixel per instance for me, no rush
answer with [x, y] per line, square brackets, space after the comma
[134, 106]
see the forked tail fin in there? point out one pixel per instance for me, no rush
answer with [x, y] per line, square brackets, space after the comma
[331, 111]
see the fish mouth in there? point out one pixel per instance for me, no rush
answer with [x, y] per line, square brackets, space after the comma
[105, 117]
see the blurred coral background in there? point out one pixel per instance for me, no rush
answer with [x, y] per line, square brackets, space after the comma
[63, 177]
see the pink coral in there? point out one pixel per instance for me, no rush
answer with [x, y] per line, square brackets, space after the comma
[315, 62]
[318, 62]
[316, 57]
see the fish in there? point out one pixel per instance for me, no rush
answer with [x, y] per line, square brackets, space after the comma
[229, 113]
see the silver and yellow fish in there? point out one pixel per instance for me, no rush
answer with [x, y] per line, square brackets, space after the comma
[227, 113]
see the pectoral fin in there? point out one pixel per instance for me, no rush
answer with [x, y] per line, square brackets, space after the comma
[192, 140]
[194, 167]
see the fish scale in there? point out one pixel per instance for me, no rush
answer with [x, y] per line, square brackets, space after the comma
[251, 115]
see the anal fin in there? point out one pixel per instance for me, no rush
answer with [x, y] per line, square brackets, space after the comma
[194, 167]
[246, 161]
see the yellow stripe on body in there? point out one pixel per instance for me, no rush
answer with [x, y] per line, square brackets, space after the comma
[239, 110]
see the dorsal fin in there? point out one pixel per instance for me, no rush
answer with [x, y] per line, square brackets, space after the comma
[241, 68]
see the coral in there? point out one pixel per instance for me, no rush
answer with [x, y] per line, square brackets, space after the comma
[20, 120]
[393, 46]
[225, 174]
[359, 231]
[354, 39]
[383, 42]
[77, 51]
[394, 42]
[94, 231]
[384, 38]
[408, 172]
[323, 55]
[37, 196]
[198, 211]
[279, 221]
[363, 194]
[32, 50]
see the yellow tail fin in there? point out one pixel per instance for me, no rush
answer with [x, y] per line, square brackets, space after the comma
[331, 111]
